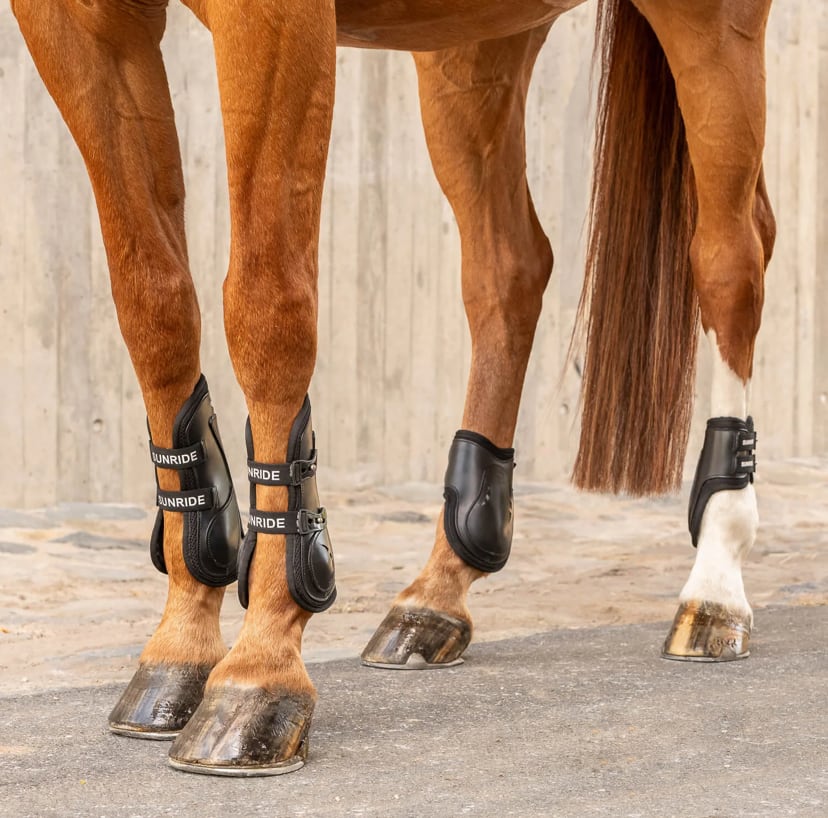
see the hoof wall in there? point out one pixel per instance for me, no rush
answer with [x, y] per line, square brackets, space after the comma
[245, 732]
[707, 632]
[159, 701]
[417, 639]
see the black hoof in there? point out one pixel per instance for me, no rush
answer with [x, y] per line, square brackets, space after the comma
[708, 632]
[159, 701]
[417, 638]
[242, 731]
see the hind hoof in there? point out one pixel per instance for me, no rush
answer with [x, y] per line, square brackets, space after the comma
[707, 632]
[245, 732]
[417, 638]
[159, 701]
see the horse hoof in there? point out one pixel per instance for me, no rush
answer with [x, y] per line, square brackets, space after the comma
[707, 632]
[239, 731]
[417, 638]
[159, 701]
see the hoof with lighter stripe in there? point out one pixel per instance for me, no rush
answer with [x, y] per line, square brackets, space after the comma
[244, 732]
[159, 701]
[417, 638]
[708, 632]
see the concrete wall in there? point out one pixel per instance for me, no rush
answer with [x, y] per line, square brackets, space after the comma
[394, 347]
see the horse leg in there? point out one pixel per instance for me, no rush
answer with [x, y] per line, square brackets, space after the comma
[276, 65]
[473, 106]
[716, 54]
[103, 66]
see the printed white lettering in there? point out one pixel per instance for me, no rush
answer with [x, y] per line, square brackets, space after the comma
[274, 475]
[181, 502]
[267, 523]
[174, 459]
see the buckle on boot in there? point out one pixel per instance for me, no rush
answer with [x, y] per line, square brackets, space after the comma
[309, 521]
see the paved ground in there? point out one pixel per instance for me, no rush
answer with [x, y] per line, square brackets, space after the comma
[567, 723]
[574, 714]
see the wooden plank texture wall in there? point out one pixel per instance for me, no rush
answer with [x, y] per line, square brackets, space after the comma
[394, 347]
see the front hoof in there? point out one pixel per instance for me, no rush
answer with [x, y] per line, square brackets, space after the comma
[159, 701]
[416, 638]
[242, 731]
[707, 632]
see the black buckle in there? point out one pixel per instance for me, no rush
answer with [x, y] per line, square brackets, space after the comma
[307, 522]
[746, 453]
[301, 470]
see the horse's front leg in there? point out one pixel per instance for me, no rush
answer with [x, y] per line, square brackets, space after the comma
[716, 54]
[276, 70]
[472, 101]
[102, 65]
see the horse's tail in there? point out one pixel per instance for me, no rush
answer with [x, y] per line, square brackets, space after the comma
[638, 309]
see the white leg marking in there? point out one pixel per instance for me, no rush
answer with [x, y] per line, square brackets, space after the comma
[728, 531]
[728, 394]
[730, 521]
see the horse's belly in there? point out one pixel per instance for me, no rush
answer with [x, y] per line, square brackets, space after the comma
[429, 25]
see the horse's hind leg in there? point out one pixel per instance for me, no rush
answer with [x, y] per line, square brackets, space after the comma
[276, 63]
[716, 54]
[473, 104]
[102, 64]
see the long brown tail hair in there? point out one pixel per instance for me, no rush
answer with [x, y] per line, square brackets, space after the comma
[638, 310]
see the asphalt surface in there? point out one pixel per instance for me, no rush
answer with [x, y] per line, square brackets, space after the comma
[566, 723]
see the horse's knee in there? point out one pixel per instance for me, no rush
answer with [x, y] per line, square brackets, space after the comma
[157, 312]
[113, 23]
[503, 286]
[270, 323]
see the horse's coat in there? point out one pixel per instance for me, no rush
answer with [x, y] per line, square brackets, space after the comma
[681, 228]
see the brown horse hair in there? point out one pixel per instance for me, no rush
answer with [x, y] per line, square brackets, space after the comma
[638, 311]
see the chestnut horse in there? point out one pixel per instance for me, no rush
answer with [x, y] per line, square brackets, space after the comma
[680, 228]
